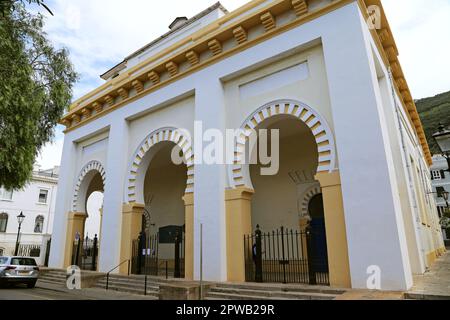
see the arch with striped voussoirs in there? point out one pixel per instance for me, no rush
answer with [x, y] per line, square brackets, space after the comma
[307, 196]
[86, 174]
[141, 159]
[317, 124]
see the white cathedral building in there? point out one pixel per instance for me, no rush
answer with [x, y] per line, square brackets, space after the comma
[354, 164]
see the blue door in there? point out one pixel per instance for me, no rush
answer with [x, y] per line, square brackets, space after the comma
[319, 254]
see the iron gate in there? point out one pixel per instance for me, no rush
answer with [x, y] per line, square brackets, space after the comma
[29, 250]
[151, 258]
[285, 256]
[85, 253]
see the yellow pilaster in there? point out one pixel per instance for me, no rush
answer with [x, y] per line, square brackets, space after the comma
[335, 229]
[131, 226]
[189, 236]
[238, 224]
[75, 223]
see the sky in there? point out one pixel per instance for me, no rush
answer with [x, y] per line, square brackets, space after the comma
[99, 34]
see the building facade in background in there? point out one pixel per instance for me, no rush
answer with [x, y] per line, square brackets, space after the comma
[441, 183]
[37, 202]
[351, 198]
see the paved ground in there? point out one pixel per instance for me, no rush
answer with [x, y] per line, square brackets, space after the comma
[435, 283]
[56, 292]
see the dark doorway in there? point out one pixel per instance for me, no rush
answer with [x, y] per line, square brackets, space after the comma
[319, 254]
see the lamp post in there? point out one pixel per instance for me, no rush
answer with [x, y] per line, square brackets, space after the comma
[20, 219]
[442, 138]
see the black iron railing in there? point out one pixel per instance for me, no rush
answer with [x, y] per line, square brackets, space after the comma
[284, 256]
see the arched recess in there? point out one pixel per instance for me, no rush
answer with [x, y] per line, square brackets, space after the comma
[145, 152]
[308, 195]
[317, 124]
[85, 177]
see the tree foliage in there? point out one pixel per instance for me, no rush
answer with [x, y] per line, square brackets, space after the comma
[35, 89]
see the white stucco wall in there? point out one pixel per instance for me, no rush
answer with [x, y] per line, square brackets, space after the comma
[329, 64]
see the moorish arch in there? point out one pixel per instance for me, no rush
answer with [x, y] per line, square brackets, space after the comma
[316, 123]
[85, 177]
[147, 150]
[308, 195]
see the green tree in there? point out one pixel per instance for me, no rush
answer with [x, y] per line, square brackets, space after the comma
[35, 89]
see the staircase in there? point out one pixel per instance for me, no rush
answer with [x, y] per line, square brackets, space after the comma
[52, 276]
[134, 284]
[253, 291]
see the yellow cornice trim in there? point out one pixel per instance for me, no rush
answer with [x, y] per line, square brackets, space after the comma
[238, 48]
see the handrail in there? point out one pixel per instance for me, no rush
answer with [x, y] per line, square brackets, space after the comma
[107, 274]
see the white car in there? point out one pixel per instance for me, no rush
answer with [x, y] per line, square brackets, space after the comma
[14, 270]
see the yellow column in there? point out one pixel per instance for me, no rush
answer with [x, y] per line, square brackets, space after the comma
[189, 236]
[75, 223]
[131, 227]
[335, 229]
[238, 224]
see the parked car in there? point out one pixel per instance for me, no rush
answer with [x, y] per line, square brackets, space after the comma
[15, 270]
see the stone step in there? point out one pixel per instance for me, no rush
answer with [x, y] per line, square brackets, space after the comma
[137, 291]
[53, 276]
[230, 296]
[49, 281]
[272, 294]
[282, 288]
[127, 285]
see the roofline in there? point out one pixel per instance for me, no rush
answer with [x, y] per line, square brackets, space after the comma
[198, 16]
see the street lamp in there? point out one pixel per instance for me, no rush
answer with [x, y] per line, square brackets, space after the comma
[442, 138]
[20, 219]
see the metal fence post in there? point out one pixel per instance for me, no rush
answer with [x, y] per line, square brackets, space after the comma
[309, 245]
[177, 257]
[94, 254]
[258, 255]
[78, 253]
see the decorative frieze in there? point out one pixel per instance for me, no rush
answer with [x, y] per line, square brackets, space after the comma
[192, 57]
[215, 46]
[97, 107]
[109, 100]
[391, 53]
[406, 95]
[240, 34]
[401, 83]
[172, 68]
[138, 86]
[66, 122]
[268, 21]
[154, 77]
[300, 7]
[86, 112]
[396, 70]
[410, 106]
[123, 93]
[384, 35]
[75, 118]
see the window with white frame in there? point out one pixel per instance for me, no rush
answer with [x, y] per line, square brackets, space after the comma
[5, 194]
[3, 221]
[39, 224]
[436, 175]
[43, 195]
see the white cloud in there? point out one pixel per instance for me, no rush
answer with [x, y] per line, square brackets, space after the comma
[422, 32]
[99, 34]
